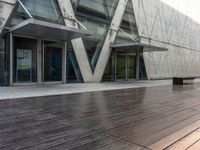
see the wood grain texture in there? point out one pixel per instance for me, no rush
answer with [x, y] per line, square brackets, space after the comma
[129, 119]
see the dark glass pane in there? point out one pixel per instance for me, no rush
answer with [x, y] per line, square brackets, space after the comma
[101, 8]
[121, 66]
[46, 10]
[2, 62]
[131, 66]
[128, 25]
[142, 69]
[25, 60]
[96, 16]
[73, 70]
[52, 61]
[109, 73]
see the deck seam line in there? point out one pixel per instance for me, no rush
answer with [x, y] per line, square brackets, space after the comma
[193, 144]
[182, 138]
[151, 118]
[142, 146]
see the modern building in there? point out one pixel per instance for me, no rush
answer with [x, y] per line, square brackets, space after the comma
[70, 41]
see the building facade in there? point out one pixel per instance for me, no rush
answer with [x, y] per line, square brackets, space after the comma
[70, 41]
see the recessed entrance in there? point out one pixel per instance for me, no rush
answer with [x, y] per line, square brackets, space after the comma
[52, 61]
[24, 60]
[125, 66]
[37, 61]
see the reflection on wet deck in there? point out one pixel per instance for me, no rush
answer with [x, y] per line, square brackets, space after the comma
[130, 119]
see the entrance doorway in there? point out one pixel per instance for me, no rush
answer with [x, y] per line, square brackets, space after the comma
[38, 61]
[125, 66]
[52, 61]
[24, 60]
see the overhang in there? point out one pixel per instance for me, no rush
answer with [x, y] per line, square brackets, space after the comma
[42, 29]
[138, 47]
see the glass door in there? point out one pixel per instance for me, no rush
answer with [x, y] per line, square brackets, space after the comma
[24, 60]
[121, 66]
[131, 66]
[52, 61]
[142, 69]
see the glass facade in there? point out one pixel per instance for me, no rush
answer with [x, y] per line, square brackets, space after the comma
[2, 61]
[46, 10]
[96, 16]
[121, 66]
[128, 25]
[126, 59]
[131, 68]
[52, 61]
[109, 73]
[73, 70]
[25, 60]
[142, 68]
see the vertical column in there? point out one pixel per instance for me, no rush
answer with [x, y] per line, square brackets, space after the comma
[137, 66]
[39, 61]
[64, 61]
[11, 58]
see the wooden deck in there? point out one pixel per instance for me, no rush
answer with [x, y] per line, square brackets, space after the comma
[131, 119]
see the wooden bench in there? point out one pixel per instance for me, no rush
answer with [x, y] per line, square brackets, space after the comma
[183, 80]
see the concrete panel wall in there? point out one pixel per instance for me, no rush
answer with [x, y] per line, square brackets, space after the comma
[161, 25]
[6, 7]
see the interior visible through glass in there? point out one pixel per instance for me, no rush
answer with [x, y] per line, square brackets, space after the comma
[52, 61]
[73, 70]
[25, 60]
[109, 73]
[121, 66]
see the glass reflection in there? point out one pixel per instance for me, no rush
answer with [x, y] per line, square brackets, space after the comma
[52, 61]
[25, 60]
[109, 73]
[46, 10]
[2, 61]
[96, 16]
[128, 24]
[73, 70]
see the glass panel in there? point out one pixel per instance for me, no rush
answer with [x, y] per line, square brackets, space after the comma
[104, 8]
[17, 16]
[142, 70]
[131, 67]
[25, 59]
[2, 62]
[128, 25]
[96, 16]
[109, 74]
[121, 66]
[52, 61]
[47, 10]
[73, 70]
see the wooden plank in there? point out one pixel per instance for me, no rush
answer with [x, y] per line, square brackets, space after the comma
[195, 146]
[185, 142]
[76, 121]
[162, 144]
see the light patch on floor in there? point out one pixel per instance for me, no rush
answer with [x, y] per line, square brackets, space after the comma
[187, 138]
[60, 89]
